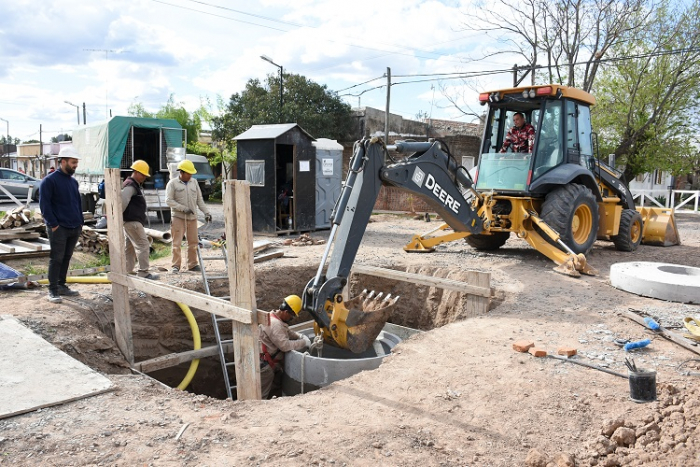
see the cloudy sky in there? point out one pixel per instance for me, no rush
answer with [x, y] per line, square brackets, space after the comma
[112, 53]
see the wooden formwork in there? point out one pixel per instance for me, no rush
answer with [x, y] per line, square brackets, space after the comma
[241, 308]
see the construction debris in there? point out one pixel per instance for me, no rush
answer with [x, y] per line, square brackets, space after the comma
[92, 241]
[303, 240]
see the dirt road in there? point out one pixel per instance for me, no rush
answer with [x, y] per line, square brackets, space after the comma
[456, 395]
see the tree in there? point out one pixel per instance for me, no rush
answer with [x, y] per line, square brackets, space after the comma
[646, 109]
[316, 109]
[191, 122]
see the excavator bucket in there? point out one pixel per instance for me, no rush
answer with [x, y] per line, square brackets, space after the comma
[355, 324]
[659, 227]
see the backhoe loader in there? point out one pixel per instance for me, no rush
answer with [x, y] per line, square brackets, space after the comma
[560, 179]
[559, 198]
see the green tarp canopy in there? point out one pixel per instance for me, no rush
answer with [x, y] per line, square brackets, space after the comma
[102, 145]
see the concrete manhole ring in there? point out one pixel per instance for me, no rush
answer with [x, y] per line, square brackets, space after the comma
[671, 282]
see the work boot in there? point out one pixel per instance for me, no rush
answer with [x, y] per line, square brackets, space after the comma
[151, 276]
[66, 292]
[54, 297]
[175, 270]
[195, 269]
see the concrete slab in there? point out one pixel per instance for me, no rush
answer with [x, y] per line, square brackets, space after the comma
[35, 374]
[671, 282]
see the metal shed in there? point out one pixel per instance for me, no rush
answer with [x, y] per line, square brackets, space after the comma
[279, 163]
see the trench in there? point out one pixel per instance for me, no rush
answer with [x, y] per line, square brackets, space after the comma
[160, 328]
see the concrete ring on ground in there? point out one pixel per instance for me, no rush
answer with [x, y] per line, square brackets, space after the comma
[671, 282]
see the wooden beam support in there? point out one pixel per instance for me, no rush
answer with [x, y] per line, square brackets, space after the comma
[241, 275]
[120, 292]
[265, 256]
[482, 289]
[6, 248]
[174, 359]
[30, 246]
[190, 298]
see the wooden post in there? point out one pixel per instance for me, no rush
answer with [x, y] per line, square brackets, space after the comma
[239, 244]
[120, 293]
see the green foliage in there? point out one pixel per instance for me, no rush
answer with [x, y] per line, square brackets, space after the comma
[315, 108]
[32, 269]
[94, 261]
[646, 106]
[160, 250]
[192, 122]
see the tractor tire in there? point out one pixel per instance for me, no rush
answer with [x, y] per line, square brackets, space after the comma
[629, 235]
[572, 211]
[488, 242]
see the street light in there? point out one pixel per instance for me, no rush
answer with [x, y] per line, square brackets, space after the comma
[269, 60]
[77, 110]
[7, 141]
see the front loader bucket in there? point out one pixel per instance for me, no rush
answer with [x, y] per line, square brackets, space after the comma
[355, 324]
[659, 227]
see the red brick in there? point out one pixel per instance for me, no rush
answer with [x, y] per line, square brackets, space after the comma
[566, 351]
[538, 352]
[522, 346]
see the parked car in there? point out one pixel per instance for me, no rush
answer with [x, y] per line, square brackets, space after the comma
[204, 176]
[12, 176]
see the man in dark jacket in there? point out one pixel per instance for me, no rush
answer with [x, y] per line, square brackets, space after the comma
[134, 214]
[59, 202]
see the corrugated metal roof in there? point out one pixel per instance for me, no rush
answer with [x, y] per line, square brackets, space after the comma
[269, 131]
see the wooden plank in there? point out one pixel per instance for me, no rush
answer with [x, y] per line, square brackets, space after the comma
[267, 256]
[43, 240]
[6, 248]
[241, 274]
[174, 359]
[482, 289]
[260, 245]
[31, 246]
[673, 337]
[190, 298]
[478, 305]
[74, 272]
[120, 293]
[21, 235]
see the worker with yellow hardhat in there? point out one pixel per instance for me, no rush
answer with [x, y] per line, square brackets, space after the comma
[276, 339]
[183, 196]
[137, 248]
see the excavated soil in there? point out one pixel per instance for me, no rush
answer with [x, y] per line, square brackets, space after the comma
[455, 395]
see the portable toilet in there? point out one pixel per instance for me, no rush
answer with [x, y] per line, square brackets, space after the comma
[329, 167]
[278, 161]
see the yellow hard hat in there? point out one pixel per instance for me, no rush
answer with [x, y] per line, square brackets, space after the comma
[187, 166]
[292, 303]
[141, 167]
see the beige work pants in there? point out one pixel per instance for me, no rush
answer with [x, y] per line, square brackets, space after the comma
[180, 228]
[137, 247]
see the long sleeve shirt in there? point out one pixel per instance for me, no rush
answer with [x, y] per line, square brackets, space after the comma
[521, 139]
[181, 196]
[278, 337]
[59, 201]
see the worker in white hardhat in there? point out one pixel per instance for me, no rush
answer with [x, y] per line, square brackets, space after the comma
[275, 340]
[62, 209]
[183, 196]
[134, 207]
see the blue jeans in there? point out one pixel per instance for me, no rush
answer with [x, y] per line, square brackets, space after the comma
[62, 243]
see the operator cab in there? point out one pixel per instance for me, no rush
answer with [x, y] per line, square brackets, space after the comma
[561, 118]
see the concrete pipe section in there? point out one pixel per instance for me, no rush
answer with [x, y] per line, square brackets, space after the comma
[671, 282]
[334, 364]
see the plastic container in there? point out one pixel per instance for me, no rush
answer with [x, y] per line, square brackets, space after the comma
[159, 181]
[642, 386]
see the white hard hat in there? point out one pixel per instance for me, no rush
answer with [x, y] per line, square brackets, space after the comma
[68, 153]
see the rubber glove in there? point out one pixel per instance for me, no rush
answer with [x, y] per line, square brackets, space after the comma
[636, 345]
[651, 324]
[207, 217]
[307, 341]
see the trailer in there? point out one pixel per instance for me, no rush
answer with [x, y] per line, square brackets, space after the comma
[120, 141]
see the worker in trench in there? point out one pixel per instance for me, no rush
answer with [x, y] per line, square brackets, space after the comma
[276, 339]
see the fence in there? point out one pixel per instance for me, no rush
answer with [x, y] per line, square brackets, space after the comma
[685, 197]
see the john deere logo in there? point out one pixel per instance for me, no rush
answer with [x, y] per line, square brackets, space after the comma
[418, 176]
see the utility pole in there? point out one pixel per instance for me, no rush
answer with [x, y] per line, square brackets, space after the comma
[7, 140]
[388, 96]
[41, 148]
[84, 121]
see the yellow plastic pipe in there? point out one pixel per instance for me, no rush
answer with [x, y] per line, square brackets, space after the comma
[194, 364]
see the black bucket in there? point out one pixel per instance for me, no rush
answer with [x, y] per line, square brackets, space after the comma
[642, 386]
